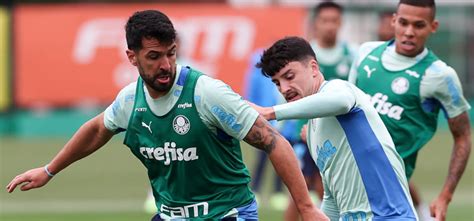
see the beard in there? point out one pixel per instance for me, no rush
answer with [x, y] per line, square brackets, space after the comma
[152, 80]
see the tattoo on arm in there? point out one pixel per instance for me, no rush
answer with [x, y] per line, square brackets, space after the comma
[262, 135]
[461, 132]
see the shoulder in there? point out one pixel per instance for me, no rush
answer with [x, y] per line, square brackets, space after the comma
[367, 47]
[336, 85]
[211, 86]
[127, 93]
[440, 68]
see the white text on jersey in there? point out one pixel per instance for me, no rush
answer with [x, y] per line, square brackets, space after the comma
[169, 153]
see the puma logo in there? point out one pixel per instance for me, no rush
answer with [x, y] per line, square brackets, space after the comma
[147, 126]
[369, 71]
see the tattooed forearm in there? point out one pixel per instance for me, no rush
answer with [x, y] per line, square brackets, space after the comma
[461, 132]
[262, 135]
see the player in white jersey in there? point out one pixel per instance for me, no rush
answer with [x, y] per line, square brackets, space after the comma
[362, 173]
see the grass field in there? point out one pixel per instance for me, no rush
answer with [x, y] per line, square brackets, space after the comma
[111, 184]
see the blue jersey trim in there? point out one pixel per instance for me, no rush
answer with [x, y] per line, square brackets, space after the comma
[182, 76]
[384, 191]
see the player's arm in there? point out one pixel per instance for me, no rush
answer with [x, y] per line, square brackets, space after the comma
[265, 137]
[90, 137]
[334, 99]
[461, 132]
[224, 109]
[442, 83]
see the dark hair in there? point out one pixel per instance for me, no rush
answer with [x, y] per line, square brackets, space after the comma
[149, 24]
[282, 52]
[421, 3]
[326, 4]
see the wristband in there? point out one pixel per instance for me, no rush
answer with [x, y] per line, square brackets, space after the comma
[47, 171]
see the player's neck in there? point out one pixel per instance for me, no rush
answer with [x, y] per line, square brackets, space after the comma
[318, 82]
[326, 43]
[156, 94]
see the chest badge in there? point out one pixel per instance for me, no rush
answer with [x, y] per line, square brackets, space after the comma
[181, 124]
[400, 85]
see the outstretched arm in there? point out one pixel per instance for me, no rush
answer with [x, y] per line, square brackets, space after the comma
[89, 138]
[266, 138]
[461, 131]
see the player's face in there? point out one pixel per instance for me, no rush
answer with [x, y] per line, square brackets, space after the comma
[296, 79]
[156, 64]
[413, 25]
[327, 24]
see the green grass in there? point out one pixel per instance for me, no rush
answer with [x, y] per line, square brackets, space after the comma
[111, 184]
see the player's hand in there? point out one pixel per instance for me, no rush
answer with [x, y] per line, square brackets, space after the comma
[315, 215]
[266, 112]
[303, 131]
[30, 179]
[438, 208]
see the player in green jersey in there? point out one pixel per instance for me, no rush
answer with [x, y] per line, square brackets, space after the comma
[409, 84]
[334, 56]
[185, 128]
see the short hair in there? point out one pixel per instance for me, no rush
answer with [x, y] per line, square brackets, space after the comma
[421, 3]
[324, 5]
[149, 24]
[282, 52]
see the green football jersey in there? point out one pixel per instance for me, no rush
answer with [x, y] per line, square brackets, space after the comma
[193, 172]
[396, 97]
[338, 70]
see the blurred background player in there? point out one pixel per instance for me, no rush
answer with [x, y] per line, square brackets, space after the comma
[334, 56]
[409, 84]
[385, 30]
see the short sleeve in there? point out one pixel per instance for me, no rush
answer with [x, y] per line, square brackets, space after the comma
[442, 83]
[224, 109]
[117, 115]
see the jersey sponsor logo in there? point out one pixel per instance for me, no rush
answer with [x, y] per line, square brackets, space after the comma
[141, 109]
[379, 101]
[324, 153]
[412, 73]
[181, 124]
[368, 70]
[400, 85]
[185, 105]
[188, 211]
[226, 118]
[169, 152]
[148, 126]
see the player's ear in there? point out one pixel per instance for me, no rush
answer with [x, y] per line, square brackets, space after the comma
[434, 26]
[314, 67]
[132, 57]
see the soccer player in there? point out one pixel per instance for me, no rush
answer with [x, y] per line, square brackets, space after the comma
[385, 28]
[362, 173]
[409, 84]
[334, 57]
[185, 128]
